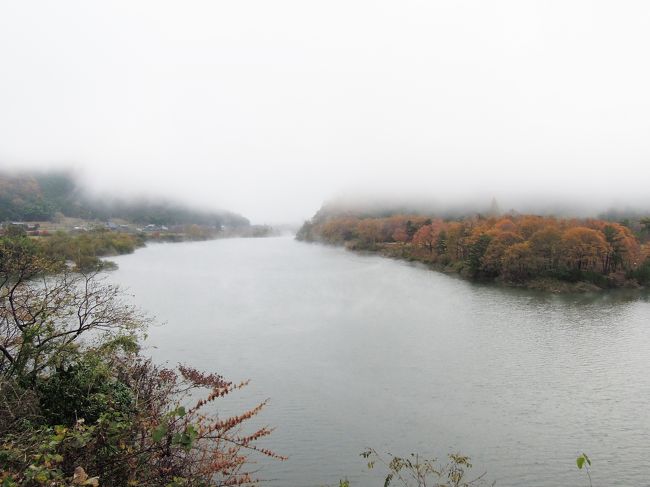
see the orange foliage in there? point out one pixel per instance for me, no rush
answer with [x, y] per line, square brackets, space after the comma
[493, 257]
[514, 246]
[519, 261]
[427, 235]
[401, 235]
[546, 244]
[583, 248]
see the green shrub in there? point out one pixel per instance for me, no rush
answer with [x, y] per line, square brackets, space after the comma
[84, 389]
[642, 274]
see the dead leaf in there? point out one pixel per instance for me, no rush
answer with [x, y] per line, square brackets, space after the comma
[80, 476]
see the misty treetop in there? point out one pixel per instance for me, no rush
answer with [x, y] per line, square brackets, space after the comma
[518, 249]
[42, 196]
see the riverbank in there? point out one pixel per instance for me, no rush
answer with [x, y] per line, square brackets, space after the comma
[541, 283]
[525, 251]
[88, 249]
[253, 231]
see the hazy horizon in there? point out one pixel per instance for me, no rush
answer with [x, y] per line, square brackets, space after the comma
[269, 109]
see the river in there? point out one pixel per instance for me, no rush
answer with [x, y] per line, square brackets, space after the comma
[358, 350]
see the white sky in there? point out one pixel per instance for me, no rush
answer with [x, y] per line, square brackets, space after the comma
[267, 107]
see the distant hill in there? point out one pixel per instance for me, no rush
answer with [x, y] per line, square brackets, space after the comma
[43, 196]
[379, 206]
[384, 207]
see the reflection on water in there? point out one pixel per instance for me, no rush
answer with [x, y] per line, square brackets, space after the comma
[359, 351]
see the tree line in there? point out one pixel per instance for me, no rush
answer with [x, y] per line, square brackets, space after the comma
[514, 248]
[46, 196]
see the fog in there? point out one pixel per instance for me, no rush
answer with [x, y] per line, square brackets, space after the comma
[269, 108]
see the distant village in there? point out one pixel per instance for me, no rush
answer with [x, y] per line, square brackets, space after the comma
[151, 230]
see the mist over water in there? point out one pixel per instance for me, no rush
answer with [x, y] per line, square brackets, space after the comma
[358, 351]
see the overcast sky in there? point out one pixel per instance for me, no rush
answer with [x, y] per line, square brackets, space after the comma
[269, 107]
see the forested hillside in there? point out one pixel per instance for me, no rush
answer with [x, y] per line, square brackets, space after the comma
[43, 196]
[523, 249]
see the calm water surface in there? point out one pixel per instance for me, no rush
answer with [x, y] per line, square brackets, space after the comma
[359, 351]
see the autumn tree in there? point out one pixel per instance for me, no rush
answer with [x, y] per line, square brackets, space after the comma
[400, 235]
[491, 262]
[427, 235]
[546, 245]
[583, 248]
[369, 232]
[391, 226]
[338, 230]
[505, 225]
[528, 225]
[624, 250]
[456, 244]
[518, 261]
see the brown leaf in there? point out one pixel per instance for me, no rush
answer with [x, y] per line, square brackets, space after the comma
[80, 476]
